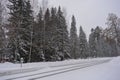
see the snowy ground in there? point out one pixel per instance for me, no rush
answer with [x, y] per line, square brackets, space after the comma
[89, 69]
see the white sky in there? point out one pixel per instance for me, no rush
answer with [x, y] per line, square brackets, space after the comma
[88, 13]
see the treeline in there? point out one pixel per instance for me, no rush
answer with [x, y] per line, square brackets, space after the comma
[46, 38]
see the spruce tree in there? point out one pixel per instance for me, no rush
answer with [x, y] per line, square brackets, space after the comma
[1, 11]
[2, 43]
[38, 38]
[92, 44]
[1, 30]
[83, 44]
[21, 22]
[47, 35]
[53, 29]
[98, 41]
[28, 30]
[73, 39]
[62, 40]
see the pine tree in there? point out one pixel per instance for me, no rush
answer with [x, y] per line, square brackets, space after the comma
[13, 35]
[2, 36]
[1, 11]
[47, 36]
[92, 44]
[0, 31]
[83, 44]
[98, 41]
[106, 50]
[38, 39]
[28, 30]
[73, 39]
[2, 45]
[21, 22]
[53, 33]
[62, 40]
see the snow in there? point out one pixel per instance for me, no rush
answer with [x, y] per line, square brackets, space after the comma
[10, 66]
[105, 71]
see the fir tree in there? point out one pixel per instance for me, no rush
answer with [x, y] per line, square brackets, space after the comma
[38, 39]
[47, 36]
[83, 44]
[2, 45]
[21, 22]
[53, 33]
[92, 44]
[73, 39]
[62, 40]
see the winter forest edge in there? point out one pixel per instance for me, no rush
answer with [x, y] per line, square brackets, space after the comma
[46, 37]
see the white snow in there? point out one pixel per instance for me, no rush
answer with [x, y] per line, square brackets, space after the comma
[10, 66]
[105, 71]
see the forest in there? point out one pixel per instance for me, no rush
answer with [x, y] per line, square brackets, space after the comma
[46, 37]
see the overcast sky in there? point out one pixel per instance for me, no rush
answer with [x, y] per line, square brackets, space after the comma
[88, 13]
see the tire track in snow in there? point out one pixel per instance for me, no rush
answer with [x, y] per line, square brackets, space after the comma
[59, 71]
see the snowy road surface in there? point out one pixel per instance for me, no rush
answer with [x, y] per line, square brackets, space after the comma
[90, 69]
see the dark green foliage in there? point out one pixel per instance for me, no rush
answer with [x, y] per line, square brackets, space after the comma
[38, 36]
[47, 39]
[92, 44]
[51, 35]
[21, 21]
[63, 34]
[83, 46]
[73, 39]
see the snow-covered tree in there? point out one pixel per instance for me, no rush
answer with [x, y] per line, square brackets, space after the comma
[28, 29]
[3, 40]
[73, 39]
[1, 10]
[96, 43]
[2, 36]
[92, 44]
[112, 31]
[47, 36]
[62, 40]
[38, 39]
[83, 46]
[21, 20]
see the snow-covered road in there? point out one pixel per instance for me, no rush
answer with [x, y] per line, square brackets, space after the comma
[66, 70]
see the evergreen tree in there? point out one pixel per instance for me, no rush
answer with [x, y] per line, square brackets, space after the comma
[92, 44]
[62, 40]
[2, 35]
[53, 29]
[73, 39]
[47, 36]
[98, 41]
[38, 38]
[1, 32]
[83, 44]
[106, 50]
[21, 22]
[28, 30]
[1, 11]
[2, 45]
